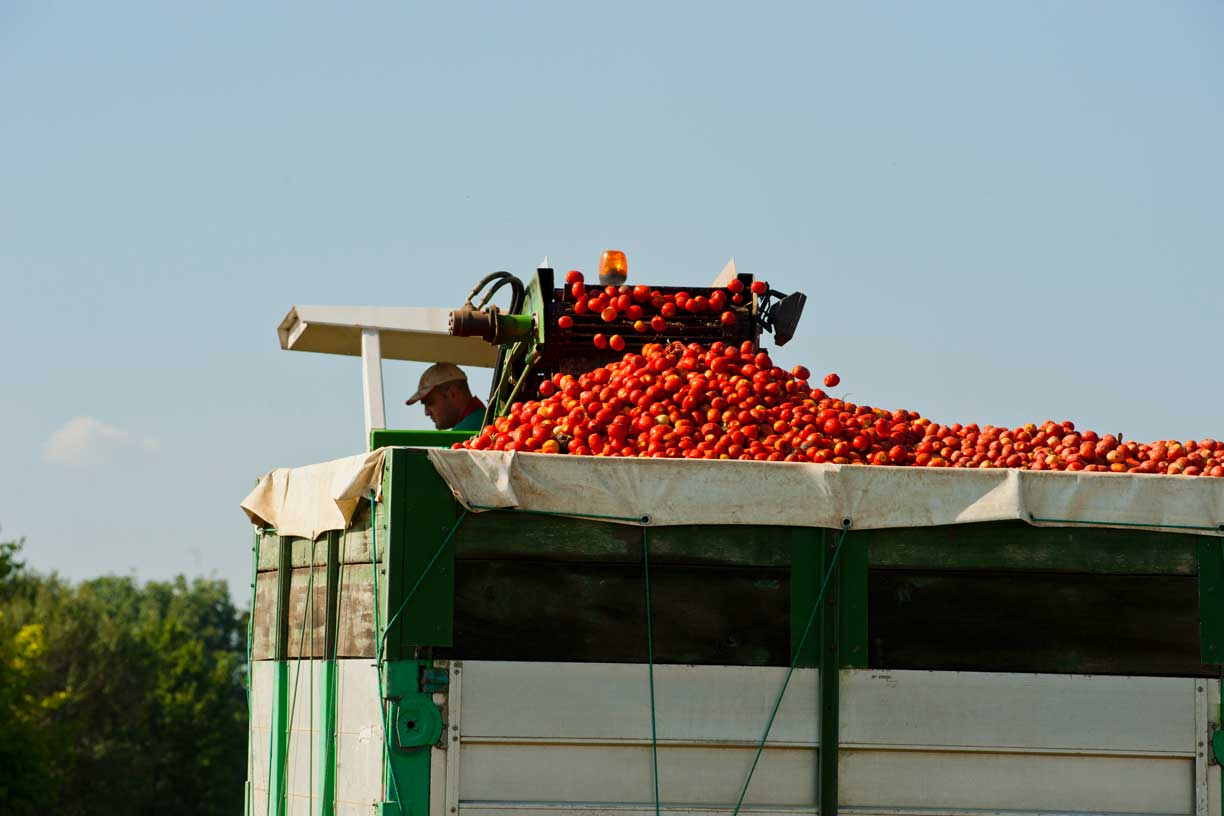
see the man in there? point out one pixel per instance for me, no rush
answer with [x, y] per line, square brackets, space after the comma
[448, 400]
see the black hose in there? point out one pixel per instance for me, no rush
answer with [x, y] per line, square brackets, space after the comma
[518, 295]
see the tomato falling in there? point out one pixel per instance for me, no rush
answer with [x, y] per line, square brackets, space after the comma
[732, 402]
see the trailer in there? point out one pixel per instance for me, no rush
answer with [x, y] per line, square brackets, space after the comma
[439, 631]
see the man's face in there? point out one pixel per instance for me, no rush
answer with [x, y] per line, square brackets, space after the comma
[442, 406]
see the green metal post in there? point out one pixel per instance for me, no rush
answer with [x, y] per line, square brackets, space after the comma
[248, 805]
[805, 586]
[807, 569]
[327, 690]
[852, 609]
[279, 727]
[1211, 599]
[421, 511]
[418, 511]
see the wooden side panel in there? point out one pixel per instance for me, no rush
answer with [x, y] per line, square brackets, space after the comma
[507, 535]
[355, 546]
[355, 633]
[269, 550]
[518, 610]
[1014, 545]
[308, 611]
[1035, 622]
[263, 634]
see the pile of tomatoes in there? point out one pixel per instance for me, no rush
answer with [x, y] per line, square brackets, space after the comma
[644, 310]
[731, 402]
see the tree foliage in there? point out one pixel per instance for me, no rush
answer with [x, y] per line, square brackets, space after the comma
[119, 697]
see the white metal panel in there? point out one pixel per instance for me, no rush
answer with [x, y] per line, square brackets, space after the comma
[575, 739]
[263, 685]
[453, 726]
[303, 780]
[1019, 711]
[608, 703]
[1213, 770]
[1200, 756]
[622, 773]
[948, 780]
[359, 733]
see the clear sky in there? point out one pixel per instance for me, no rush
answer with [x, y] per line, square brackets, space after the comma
[1000, 213]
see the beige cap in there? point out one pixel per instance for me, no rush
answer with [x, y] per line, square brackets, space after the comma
[437, 374]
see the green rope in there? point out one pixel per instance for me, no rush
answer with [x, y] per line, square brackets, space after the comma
[332, 689]
[249, 670]
[310, 723]
[382, 696]
[654, 732]
[1219, 528]
[297, 677]
[643, 519]
[420, 579]
[824, 585]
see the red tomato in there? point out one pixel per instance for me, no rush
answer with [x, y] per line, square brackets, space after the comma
[600, 341]
[727, 318]
[565, 322]
[832, 380]
[573, 276]
[759, 287]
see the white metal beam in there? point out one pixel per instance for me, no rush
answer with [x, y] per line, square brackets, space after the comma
[372, 382]
[406, 333]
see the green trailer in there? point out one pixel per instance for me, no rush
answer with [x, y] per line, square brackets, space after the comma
[436, 656]
[503, 634]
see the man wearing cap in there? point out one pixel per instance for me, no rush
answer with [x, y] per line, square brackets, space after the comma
[448, 400]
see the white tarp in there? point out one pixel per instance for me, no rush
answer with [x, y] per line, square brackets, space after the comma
[683, 491]
[308, 501]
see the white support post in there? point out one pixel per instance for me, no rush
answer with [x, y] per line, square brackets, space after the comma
[372, 383]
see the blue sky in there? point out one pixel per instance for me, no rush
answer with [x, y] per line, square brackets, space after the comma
[999, 214]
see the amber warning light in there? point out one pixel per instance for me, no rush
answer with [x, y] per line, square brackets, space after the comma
[613, 268]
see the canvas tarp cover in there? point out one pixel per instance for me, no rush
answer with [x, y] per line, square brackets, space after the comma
[311, 500]
[681, 491]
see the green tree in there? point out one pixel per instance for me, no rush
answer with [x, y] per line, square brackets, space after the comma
[145, 692]
[28, 704]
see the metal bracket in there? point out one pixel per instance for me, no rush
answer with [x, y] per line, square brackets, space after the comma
[435, 680]
[418, 723]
